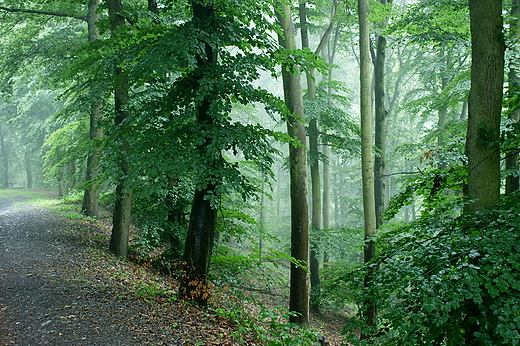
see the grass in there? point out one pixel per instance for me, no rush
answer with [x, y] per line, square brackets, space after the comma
[34, 197]
[68, 206]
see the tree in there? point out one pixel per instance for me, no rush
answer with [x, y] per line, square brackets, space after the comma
[367, 164]
[313, 131]
[5, 156]
[380, 122]
[210, 82]
[123, 205]
[316, 213]
[299, 290]
[203, 218]
[90, 205]
[485, 103]
[512, 178]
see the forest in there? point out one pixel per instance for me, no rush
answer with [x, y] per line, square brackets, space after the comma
[356, 157]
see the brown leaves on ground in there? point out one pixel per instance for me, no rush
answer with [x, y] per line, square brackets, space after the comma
[61, 287]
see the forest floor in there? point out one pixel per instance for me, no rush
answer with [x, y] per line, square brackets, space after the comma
[60, 286]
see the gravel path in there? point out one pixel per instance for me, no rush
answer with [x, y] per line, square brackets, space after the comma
[5, 205]
[42, 301]
[56, 288]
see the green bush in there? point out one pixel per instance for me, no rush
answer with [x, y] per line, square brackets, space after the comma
[447, 280]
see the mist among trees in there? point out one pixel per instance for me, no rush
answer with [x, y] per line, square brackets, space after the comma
[357, 158]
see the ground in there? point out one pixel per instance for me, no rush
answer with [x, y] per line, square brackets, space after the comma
[59, 286]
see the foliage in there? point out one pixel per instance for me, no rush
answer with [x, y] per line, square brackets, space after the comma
[271, 326]
[433, 23]
[434, 188]
[450, 280]
[338, 129]
[66, 149]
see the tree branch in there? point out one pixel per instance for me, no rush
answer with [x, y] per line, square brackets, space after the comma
[47, 13]
[329, 29]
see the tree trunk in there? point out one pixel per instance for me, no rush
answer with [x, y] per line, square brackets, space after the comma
[315, 175]
[367, 164]
[28, 169]
[464, 111]
[299, 290]
[330, 55]
[198, 248]
[380, 124]
[123, 204]
[90, 205]
[513, 179]
[203, 217]
[152, 6]
[5, 155]
[443, 112]
[60, 187]
[485, 103]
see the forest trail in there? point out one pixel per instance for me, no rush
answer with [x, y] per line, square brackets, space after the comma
[56, 288]
[5, 205]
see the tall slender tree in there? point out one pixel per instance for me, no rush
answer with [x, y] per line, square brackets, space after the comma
[513, 178]
[316, 214]
[367, 163]
[380, 122]
[5, 157]
[90, 205]
[299, 290]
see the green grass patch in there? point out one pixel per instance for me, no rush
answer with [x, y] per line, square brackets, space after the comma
[34, 197]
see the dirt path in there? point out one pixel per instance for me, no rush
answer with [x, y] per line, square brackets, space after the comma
[59, 286]
[5, 205]
[41, 303]
[57, 289]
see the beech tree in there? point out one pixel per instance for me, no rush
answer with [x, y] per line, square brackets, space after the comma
[201, 229]
[91, 197]
[299, 290]
[216, 79]
[367, 163]
[90, 205]
[485, 103]
[123, 204]
[381, 114]
[512, 178]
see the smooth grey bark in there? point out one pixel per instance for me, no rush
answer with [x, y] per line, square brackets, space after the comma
[313, 131]
[299, 282]
[443, 112]
[316, 213]
[5, 155]
[123, 205]
[464, 111]
[28, 169]
[90, 205]
[330, 55]
[485, 103]
[367, 163]
[203, 217]
[381, 114]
